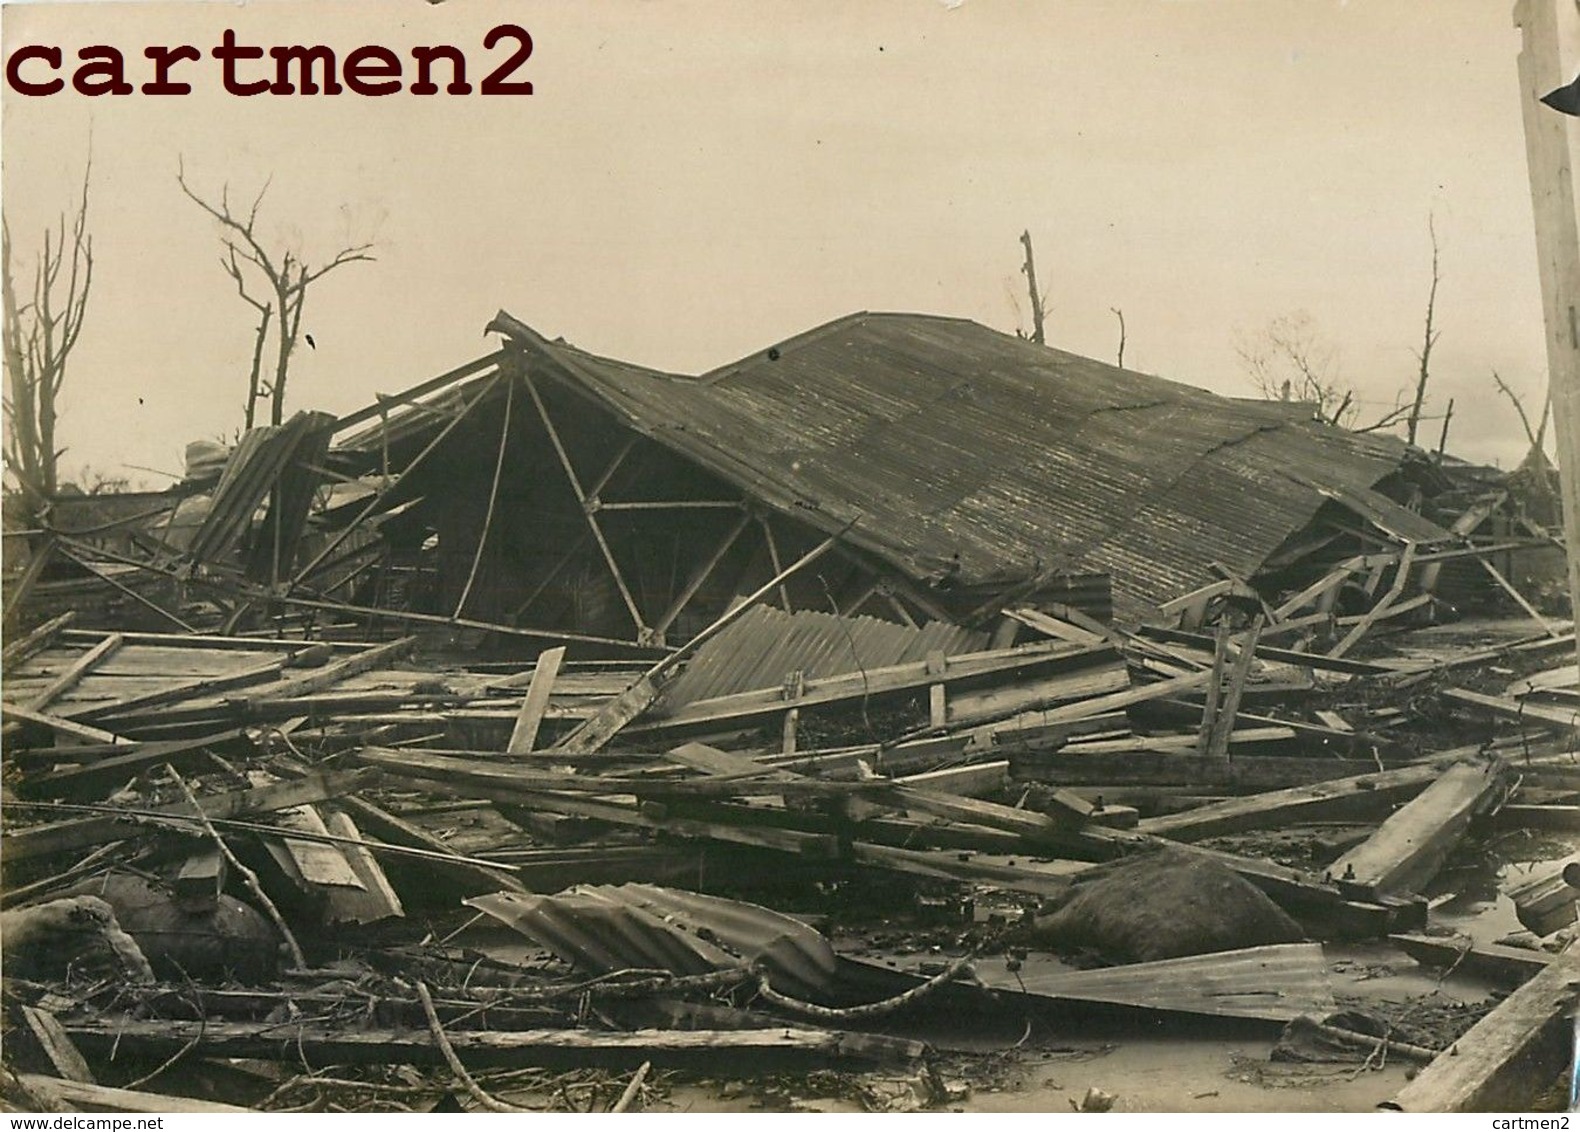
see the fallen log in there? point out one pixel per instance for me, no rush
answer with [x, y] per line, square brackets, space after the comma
[742, 1050]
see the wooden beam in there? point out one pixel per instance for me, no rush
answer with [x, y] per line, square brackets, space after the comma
[71, 729]
[1409, 848]
[1342, 799]
[1520, 711]
[700, 576]
[432, 385]
[1381, 607]
[78, 669]
[588, 509]
[524, 735]
[35, 641]
[336, 671]
[80, 1096]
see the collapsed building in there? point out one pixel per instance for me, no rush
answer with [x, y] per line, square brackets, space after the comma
[1061, 657]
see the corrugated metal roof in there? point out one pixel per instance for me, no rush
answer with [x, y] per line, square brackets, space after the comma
[966, 452]
[611, 928]
[766, 644]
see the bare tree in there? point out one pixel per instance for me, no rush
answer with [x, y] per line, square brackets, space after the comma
[1429, 339]
[1538, 435]
[1119, 314]
[279, 285]
[1289, 361]
[40, 335]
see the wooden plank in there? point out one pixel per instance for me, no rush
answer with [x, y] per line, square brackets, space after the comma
[1361, 796]
[1545, 904]
[216, 642]
[1502, 1062]
[201, 878]
[61, 726]
[106, 774]
[56, 1046]
[1022, 662]
[336, 671]
[176, 693]
[1382, 606]
[73, 675]
[1520, 711]
[79, 1096]
[524, 735]
[36, 640]
[1242, 774]
[937, 707]
[395, 830]
[1408, 849]
[1229, 706]
[1512, 965]
[973, 780]
[376, 900]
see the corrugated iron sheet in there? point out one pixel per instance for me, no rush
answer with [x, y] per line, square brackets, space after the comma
[767, 644]
[263, 458]
[970, 454]
[611, 928]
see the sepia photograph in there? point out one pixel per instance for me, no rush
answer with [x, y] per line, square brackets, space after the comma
[885, 556]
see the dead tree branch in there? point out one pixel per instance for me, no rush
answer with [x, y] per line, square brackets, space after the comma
[40, 335]
[1428, 340]
[284, 277]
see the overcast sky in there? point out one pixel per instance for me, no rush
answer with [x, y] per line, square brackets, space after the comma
[692, 181]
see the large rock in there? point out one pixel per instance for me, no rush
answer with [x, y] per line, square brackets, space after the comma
[1162, 906]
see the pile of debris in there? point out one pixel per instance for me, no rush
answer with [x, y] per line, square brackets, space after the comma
[292, 864]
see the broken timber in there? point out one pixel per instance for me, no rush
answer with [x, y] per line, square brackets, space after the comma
[1509, 1056]
[1409, 848]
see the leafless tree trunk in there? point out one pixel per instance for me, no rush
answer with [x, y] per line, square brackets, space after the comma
[1119, 314]
[282, 279]
[1429, 339]
[1538, 435]
[40, 335]
[1030, 268]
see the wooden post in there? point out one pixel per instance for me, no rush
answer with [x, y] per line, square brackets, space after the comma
[524, 736]
[1549, 138]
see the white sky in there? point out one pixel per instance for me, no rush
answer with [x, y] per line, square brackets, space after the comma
[696, 179]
